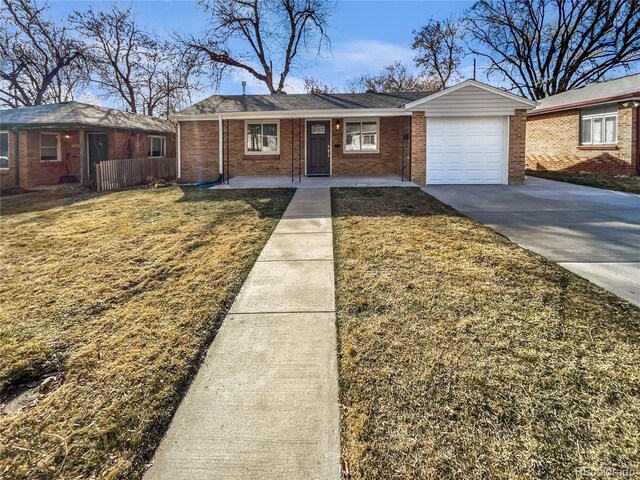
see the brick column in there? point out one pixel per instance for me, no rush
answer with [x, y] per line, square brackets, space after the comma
[418, 148]
[517, 134]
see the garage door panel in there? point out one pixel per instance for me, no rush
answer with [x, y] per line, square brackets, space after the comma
[465, 150]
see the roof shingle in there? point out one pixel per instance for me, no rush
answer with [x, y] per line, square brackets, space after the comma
[80, 115]
[591, 93]
[306, 101]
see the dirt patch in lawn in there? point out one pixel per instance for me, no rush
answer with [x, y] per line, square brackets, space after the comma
[122, 292]
[464, 356]
[620, 184]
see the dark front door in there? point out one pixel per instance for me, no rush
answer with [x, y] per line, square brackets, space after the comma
[318, 138]
[98, 151]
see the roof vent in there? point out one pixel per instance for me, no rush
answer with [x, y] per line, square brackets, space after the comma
[244, 87]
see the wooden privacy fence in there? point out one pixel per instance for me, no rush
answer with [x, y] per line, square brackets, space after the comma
[113, 174]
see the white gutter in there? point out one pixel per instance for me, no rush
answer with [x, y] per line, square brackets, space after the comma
[178, 151]
[220, 140]
[340, 113]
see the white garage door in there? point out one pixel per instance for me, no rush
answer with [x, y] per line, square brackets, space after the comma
[466, 150]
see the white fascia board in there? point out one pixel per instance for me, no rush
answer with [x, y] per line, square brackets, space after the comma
[335, 113]
[416, 104]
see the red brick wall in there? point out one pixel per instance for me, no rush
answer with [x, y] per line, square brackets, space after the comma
[34, 172]
[418, 148]
[553, 143]
[199, 150]
[517, 143]
[387, 160]
[132, 144]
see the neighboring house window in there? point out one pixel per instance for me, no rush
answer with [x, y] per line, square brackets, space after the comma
[361, 136]
[156, 146]
[49, 147]
[262, 138]
[4, 150]
[599, 126]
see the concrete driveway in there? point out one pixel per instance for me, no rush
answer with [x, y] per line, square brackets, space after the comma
[592, 232]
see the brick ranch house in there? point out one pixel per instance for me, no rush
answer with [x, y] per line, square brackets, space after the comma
[41, 144]
[469, 133]
[592, 129]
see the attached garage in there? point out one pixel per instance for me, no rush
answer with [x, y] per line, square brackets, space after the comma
[471, 150]
[468, 135]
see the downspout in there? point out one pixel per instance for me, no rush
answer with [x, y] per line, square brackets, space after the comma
[16, 155]
[178, 151]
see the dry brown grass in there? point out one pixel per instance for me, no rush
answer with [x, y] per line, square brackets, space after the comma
[622, 184]
[124, 291]
[464, 356]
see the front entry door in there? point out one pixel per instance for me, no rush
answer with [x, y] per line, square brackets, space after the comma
[98, 151]
[318, 145]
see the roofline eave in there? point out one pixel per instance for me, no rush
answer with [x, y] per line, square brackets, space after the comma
[332, 113]
[587, 103]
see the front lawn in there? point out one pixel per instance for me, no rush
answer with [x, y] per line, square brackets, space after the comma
[622, 184]
[119, 294]
[464, 356]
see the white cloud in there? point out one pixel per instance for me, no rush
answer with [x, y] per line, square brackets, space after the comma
[367, 56]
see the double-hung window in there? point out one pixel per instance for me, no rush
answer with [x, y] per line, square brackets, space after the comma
[49, 147]
[599, 125]
[361, 136]
[156, 146]
[4, 150]
[262, 138]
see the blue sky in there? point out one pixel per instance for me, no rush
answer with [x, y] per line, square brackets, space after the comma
[365, 35]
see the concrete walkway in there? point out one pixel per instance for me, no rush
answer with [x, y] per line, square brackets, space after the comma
[591, 231]
[264, 405]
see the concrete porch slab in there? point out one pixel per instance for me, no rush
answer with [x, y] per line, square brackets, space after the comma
[282, 181]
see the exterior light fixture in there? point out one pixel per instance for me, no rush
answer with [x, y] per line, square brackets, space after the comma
[338, 125]
[67, 136]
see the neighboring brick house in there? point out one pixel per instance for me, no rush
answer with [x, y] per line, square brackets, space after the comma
[469, 133]
[47, 144]
[592, 129]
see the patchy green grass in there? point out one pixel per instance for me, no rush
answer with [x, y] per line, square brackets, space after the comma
[464, 356]
[123, 292]
[625, 184]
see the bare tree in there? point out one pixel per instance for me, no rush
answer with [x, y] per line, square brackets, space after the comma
[262, 37]
[313, 85]
[41, 63]
[393, 78]
[544, 47]
[131, 66]
[439, 47]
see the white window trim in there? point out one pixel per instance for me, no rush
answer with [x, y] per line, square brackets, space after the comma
[261, 122]
[356, 120]
[591, 117]
[58, 153]
[164, 146]
[4, 169]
